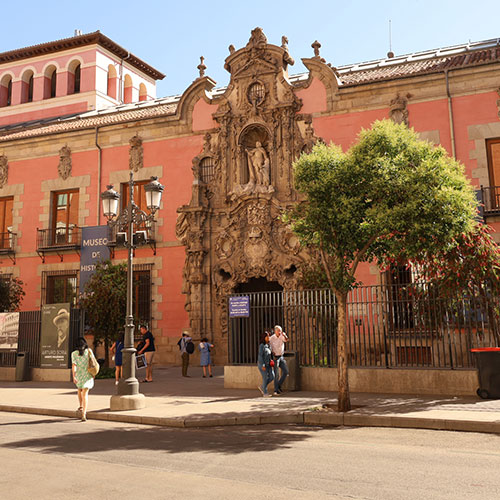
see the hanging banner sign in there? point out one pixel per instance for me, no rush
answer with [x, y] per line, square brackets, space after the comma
[94, 249]
[239, 307]
[54, 342]
[9, 330]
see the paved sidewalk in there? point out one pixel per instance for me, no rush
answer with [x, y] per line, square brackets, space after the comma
[195, 402]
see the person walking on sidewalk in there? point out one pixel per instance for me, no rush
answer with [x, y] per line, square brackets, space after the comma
[265, 364]
[277, 343]
[149, 350]
[205, 360]
[83, 380]
[116, 350]
[183, 346]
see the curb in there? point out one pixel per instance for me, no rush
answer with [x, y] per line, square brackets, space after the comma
[301, 417]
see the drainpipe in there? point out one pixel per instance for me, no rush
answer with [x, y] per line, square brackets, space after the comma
[450, 115]
[121, 77]
[99, 176]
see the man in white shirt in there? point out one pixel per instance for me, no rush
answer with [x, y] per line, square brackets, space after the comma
[277, 343]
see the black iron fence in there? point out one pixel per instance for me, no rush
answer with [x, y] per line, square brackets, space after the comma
[387, 326]
[29, 337]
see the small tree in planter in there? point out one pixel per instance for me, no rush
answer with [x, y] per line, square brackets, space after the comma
[105, 302]
[11, 294]
[390, 197]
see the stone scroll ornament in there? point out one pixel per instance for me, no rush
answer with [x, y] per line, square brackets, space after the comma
[64, 167]
[136, 153]
[4, 170]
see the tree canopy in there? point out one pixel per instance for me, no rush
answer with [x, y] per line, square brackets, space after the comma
[11, 294]
[390, 197]
[105, 300]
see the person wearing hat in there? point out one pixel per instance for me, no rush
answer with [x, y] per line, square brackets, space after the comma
[61, 321]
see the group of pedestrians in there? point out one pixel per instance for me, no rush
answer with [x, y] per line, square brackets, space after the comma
[186, 347]
[271, 361]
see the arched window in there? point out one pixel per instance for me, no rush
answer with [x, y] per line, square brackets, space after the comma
[111, 91]
[6, 91]
[143, 92]
[27, 87]
[50, 82]
[127, 89]
[74, 77]
[76, 89]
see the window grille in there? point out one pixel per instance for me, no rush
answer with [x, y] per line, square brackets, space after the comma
[207, 169]
[256, 93]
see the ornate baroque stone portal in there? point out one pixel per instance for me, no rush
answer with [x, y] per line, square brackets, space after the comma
[243, 182]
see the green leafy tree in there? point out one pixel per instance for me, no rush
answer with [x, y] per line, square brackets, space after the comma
[11, 294]
[105, 301]
[391, 196]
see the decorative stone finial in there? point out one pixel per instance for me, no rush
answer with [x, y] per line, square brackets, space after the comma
[257, 39]
[201, 67]
[284, 42]
[231, 49]
[316, 46]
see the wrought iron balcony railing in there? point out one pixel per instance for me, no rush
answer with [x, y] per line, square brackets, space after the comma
[7, 242]
[490, 198]
[58, 239]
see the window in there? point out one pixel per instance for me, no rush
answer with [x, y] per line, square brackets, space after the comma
[139, 195]
[492, 195]
[27, 87]
[76, 89]
[142, 293]
[74, 77]
[143, 93]
[111, 91]
[127, 89]
[64, 216]
[401, 315]
[6, 91]
[6, 222]
[60, 287]
[50, 82]
[207, 169]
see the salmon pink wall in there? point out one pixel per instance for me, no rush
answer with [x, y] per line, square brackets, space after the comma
[343, 129]
[313, 97]
[202, 116]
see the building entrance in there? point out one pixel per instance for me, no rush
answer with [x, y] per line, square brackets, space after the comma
[266, 310]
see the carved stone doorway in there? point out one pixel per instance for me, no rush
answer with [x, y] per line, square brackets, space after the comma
[266, 311]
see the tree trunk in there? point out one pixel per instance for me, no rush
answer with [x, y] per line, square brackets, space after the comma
[344, 400]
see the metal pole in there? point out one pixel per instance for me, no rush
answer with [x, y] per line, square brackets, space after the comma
[129, 385]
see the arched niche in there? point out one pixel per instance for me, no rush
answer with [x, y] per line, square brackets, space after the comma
[254, 158]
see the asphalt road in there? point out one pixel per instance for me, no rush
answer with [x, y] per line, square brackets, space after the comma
[57, 458]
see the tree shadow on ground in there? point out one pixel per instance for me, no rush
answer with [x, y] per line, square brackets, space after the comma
[229, 440]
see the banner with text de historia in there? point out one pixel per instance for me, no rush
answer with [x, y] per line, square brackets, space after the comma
[54, 340]
[239, 307]
[94, 249]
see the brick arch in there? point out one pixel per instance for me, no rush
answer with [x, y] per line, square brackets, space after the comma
[49, 81]
[6, 89]
[74, 75]
[112, 81]
[27, 84]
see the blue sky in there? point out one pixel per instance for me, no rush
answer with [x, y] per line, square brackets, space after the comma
[172, 35]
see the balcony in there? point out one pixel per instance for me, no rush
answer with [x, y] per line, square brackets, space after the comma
[57, 240]
[8, 245]
[489, 197]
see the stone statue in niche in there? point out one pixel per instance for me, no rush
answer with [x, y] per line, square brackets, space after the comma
[258, 165]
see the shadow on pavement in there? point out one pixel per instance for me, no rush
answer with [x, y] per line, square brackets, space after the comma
[230, 440]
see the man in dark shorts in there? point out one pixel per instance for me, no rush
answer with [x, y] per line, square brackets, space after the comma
[149, 351]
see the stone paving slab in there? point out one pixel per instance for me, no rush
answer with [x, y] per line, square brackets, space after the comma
[175, 401]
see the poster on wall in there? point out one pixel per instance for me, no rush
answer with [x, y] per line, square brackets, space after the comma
[9, 330]
[54, 344]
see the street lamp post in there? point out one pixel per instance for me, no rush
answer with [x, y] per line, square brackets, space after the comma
[128, 396]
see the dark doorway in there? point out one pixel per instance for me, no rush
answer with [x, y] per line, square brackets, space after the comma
[258, 285]
[266, 310]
